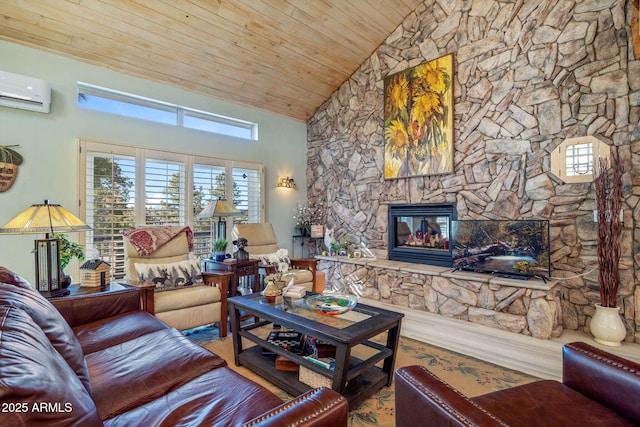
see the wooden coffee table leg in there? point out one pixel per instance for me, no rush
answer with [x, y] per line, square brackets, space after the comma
[393, 337]
[343, 354]
[235, 333]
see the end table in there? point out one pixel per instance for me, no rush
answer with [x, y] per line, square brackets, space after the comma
[245, 273]
[75, 290]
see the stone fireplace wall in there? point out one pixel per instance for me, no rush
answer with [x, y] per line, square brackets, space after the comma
[527, 76]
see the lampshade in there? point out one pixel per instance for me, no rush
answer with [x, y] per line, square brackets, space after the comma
[219, 208]
[44, 218]
[286, 182]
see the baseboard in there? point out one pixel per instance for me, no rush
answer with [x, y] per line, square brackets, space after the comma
[541, 358]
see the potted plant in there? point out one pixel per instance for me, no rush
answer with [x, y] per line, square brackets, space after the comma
[307, 215]
[220, 249]
[68, 251]
[606, 325]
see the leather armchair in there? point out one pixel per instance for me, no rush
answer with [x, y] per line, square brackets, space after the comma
[597, 389]
[262, 241]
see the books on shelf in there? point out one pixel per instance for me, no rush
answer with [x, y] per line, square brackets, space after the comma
[284, 364]
[325, 362]
[319, 348]
[288, 340]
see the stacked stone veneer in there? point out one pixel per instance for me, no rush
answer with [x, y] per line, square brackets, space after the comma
[527, 76]
[524, 307]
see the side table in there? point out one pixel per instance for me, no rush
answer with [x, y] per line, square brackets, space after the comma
[223, 280]
[76, 290]
[146, 292]
[308, 246]
[245, 273]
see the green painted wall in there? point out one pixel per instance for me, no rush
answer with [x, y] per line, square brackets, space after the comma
[49, 142]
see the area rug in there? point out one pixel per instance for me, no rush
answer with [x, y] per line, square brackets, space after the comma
[470, 376]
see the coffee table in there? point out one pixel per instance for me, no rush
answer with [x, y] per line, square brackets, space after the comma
[356, 378]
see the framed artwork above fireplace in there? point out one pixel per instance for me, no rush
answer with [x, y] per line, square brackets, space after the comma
[418, 120]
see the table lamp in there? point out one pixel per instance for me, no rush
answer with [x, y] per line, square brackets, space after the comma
[46, 218]
[219, 208]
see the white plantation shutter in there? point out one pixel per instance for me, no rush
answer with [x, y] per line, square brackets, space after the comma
[209, 182]
[164, 188]
[109, 206]
[248, 192]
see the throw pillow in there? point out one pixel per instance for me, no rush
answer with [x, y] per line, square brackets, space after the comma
[175, 275]
[286, 277]
[282, 255]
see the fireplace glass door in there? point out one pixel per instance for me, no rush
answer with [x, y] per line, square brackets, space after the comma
[420, 233]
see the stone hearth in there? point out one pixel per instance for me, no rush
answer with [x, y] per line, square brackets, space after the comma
[528, 307]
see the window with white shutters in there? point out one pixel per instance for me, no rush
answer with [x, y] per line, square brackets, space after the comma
[164, 188]
[127, 186]
[247, 193]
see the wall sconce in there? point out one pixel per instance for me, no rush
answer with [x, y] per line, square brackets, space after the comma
[286, 182]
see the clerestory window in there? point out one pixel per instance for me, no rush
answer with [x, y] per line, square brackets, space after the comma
[129, 105]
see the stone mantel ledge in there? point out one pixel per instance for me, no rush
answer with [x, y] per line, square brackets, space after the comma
[528, 307]
[448, 272]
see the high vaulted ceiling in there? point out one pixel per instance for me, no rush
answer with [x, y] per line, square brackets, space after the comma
[284, 56]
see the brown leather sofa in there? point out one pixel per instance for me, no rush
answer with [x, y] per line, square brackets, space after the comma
[110, 363]
[597, 389]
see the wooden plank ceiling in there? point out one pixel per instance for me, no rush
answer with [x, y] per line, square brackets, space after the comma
[283, 56]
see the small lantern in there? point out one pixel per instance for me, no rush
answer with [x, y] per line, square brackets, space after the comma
[48, 268]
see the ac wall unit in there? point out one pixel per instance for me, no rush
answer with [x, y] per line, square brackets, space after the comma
[24, 92]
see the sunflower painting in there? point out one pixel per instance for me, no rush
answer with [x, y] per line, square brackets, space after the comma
[418, 120]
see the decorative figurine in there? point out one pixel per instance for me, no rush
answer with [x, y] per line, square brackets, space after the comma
[241, 254]
[329, 237]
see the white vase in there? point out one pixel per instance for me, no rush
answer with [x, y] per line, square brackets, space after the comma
[607, 327]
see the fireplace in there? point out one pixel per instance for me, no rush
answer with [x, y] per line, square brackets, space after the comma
[420, 233]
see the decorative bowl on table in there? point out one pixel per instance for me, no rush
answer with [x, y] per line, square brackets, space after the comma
[331, 304]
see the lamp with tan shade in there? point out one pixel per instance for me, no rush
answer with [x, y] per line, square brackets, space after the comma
[46, 218]
[220, 208]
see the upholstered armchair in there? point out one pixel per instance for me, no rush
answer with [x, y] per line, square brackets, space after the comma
[173, 287]
[262, 241]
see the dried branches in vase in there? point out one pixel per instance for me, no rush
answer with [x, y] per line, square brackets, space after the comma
[608, 186]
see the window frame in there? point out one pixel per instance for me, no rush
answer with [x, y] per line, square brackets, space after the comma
[178, 111]
[559, 166]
